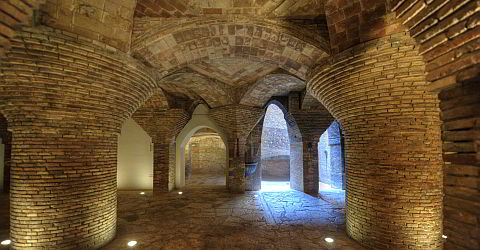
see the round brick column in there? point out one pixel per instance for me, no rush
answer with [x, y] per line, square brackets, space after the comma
[376, 90]
[65, 98]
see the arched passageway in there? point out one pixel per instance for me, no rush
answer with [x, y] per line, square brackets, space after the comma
[205, 159]
[331, 164]
[187, 143]
[275, 151]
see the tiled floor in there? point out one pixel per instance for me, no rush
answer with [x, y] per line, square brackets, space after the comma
[206, 216]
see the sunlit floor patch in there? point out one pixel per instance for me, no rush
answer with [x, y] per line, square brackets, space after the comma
[275, 186]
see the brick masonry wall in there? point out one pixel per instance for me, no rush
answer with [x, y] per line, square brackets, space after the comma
[446, 32]
[208, 154]
[12, 15]
[107, 21]
[461, 145]
[65, 98]
[393, 145]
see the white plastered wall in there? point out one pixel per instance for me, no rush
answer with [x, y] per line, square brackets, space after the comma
[134, 158]
[200, 119]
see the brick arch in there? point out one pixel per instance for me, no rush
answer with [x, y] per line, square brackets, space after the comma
[172, 46]
[263, 89]
[446, 32]
[296, 148]
[192, 84]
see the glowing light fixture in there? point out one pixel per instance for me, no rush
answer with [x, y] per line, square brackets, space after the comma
[444, 236]
[180, 192]
[329, 240]
[6, 242]
[142, 193]
[132, 243]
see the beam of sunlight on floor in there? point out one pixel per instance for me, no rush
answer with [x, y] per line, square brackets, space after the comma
[275, 186]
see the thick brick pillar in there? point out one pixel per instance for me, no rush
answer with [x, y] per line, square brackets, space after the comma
[237, 121]
[161, 163]
[163, 126]
[310, 165]
[65, 100]
[377, 91]
[461, 144]
[310, 124]
[236, 169]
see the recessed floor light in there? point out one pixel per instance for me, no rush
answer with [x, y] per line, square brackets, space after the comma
[142, 193]
[444, 236]
[6, 242]
[329, 240]
[180, 192]
[132, 243]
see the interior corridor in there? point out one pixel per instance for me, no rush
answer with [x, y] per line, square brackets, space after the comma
[206, 216]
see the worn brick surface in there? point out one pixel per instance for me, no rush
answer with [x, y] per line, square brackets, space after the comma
[65, 99]
[107, 21]
[12, 15]
[461, 152]
[393, 145]
[447, 33]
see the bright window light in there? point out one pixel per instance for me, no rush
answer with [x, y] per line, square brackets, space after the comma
[444, 236]
[132, 243]
[6, 242]
[329, 240]
[255, 195]
[180, 192]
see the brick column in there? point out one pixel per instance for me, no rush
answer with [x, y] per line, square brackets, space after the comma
[163, 126]
[311, 125]
[237, 121]
[161, 163]
[310, 166]
[377, 91]
[65, 100]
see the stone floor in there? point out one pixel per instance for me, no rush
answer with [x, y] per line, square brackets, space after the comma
[336, 197]
[206, 216]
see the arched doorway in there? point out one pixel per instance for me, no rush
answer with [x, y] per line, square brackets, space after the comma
[205, 159]
[200, 122]
[331, 165]
[275, 148]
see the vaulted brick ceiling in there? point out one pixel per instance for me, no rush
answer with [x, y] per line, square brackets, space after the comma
[234, 42]
[188, 8]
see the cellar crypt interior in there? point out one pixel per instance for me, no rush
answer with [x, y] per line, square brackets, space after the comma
[239, 124]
